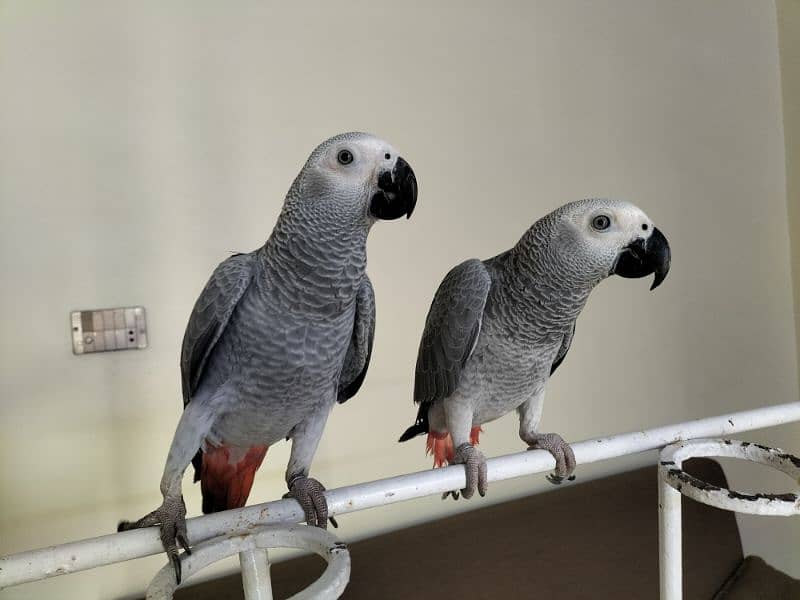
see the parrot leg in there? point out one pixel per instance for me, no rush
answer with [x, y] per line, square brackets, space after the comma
[475, 466]
[194, 424]
[458, 416]
[171, 516]
[561, 451]
[309, 492]
[530, 414]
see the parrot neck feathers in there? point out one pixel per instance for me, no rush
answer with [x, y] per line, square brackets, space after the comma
[536, 291]
[320, 267]
[540, 259]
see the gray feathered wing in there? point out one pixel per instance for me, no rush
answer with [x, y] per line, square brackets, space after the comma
[208, 320]
[562, 351]
[359, 352]
[451, 332]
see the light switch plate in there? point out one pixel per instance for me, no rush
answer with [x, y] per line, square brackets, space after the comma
[104, 330]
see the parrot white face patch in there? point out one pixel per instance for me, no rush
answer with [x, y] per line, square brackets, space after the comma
[344, 175]
[618, 222]
[592, 234]
[358, 161]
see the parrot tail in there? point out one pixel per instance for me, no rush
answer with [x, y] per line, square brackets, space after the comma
[412, 432]
[420, 426]
[440, 445]
[226, 476]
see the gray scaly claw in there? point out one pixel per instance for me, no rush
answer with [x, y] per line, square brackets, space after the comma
[475, 467]
[562, 453]
[310, 493]
[171, 519]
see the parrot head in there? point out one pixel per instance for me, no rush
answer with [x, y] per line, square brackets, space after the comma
[610, 237]
[361, 176]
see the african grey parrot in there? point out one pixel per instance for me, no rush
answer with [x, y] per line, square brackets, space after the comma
[281, 334]
[497, 329]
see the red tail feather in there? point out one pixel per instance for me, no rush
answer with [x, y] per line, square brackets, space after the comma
[226, 484]
[440, 445]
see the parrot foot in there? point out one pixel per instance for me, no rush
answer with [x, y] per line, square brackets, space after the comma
[475, 466]
[310, 494]
[171, 517]
[561, 451]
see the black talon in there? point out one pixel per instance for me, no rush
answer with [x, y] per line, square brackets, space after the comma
[170, 517]
[555, 479]
[184, 543]
[176, 564]
[333, 522]
[571, 478]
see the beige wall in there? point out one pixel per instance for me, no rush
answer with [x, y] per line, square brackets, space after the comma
[140, 143]
[789, 43]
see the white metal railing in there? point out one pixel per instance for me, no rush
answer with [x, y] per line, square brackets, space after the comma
[254, 560]
[674, 482]
[71, 557]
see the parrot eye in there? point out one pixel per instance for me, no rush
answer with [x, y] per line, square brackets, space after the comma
[601, 223]
[345, 157]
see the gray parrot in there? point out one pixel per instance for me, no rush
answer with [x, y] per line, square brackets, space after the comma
[498, 329]
[281, 334]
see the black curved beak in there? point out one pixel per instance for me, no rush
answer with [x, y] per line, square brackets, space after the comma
[397, 195]
[644, 256]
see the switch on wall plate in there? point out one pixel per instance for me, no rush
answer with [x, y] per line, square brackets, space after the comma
[108, 329]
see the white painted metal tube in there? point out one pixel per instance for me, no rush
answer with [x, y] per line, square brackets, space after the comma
[753, 503]
[674, 482]
[255, 574]
[328, 586]
[670, 538]
[87, 554]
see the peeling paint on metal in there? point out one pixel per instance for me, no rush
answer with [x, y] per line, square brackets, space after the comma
[760, 496]
[693, 481]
